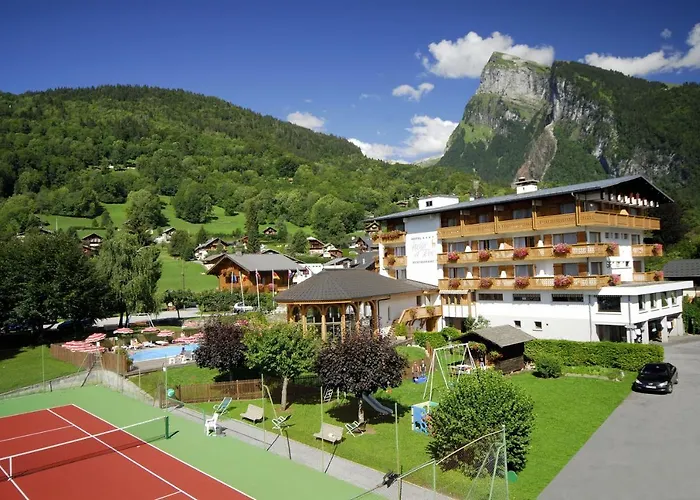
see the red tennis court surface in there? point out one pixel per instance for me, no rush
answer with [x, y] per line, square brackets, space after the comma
[116, 465]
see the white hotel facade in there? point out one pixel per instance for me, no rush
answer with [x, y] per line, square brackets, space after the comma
[560, 263]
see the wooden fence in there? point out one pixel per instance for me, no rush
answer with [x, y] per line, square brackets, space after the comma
[110, 361]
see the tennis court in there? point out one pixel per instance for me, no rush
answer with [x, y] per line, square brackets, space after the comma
[66, 453]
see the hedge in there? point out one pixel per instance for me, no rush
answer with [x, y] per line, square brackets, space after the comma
[435, 339]
[607, 354]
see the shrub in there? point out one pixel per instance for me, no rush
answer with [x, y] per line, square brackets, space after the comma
[452, 256]
[658, 275]
[479, 404]
[607, 354]
[435, 339]
[561, 249]
[451, 333]
[430, 310]
[548, 366]
[477, 347]
[400, 330]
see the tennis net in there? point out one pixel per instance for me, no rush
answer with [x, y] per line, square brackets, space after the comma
[84, 448]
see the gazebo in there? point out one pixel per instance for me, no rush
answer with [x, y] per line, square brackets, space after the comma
[508, 341]
[335, 301]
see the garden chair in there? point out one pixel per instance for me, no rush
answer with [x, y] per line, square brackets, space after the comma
[279, 423]
[330, 433]
[211, 425]
[223, 406]
[253, 413]
[356, 428]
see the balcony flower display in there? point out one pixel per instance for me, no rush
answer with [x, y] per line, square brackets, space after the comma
[454, 283]
[561, 249]
[271, 287]
[563, 281]
[614, 280]
[452, 256]
[391, 235]
[658, 250]
[485, 283]
[484, 255]
[391, 260]
[430, 310]
[522, 282]
[612, 248]
[658, 275]
[520, 253]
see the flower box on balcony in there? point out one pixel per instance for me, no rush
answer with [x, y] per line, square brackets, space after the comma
[430, 310]
[452, 256]
[521, 253]
[614, 280]
[391, 235]
[390, 260]
[485, 283]
[658, 250]
[563, 281]
[561, 249]
[522, 282]
[658, 275]
[453, 283]
[612, 248]
[484, 255]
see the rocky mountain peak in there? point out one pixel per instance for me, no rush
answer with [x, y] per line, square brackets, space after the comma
[515, 79]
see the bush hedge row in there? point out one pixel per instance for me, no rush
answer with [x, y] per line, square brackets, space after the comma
[608, 354]
[435, 339]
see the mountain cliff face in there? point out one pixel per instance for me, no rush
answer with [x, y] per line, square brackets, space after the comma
[573, 123]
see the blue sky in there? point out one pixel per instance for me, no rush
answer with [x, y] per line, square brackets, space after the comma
[334, 66]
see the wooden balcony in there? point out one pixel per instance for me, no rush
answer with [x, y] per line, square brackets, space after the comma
[417, 313]
[647, 251]
[399, 261]
[535, 283]
[647, 277]
[389, 238]
[547, 222]
[578, 251]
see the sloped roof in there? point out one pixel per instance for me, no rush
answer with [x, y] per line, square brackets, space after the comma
[210, 241]
[337, 260]
[682, 268]
[503, 335]
[348, 284]
[258, 261]
[365, 260]
[638, 180]
[91, 235]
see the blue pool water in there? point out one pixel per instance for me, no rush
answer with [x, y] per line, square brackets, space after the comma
[160, 352]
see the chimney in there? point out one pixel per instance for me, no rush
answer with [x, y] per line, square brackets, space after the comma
[523, 185]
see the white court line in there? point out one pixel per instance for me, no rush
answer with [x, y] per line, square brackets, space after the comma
[35, 433]
[171, 456]
[169, 495]
[125, 456]
[13, 483]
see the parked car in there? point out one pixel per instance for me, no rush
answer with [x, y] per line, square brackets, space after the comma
[656, 377]
[240, 307]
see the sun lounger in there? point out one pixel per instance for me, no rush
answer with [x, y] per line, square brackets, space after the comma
[355, 429]
[223, 406]
[330, 433]
[253, 413]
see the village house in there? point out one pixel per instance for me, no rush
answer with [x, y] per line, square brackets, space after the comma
[368, 261]
[239, 271]
[209, 246]
[331, 252]
[316, 246]
[269, 231]
[362, 244]
[93, 241]
[165, 236]
[372, 226]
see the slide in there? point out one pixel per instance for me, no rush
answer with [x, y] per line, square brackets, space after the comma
[376, 405]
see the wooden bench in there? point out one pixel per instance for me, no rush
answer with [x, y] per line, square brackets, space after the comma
[330, 433]
[253, 413]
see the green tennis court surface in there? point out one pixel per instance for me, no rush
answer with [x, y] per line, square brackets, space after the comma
[252, 470]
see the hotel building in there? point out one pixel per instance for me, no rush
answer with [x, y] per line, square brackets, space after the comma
[559, 263]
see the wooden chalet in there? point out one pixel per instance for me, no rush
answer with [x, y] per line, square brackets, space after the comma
[270, 231]
[93, 241]
[208, 246]
[316, 246]
[238, 271]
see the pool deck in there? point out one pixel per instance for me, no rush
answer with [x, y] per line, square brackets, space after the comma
[155, 364]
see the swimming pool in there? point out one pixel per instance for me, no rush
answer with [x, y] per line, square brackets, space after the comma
[160, 352]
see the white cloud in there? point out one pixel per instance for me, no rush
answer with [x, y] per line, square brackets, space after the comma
[413, 94]
[428, 136]
[307, 120]
[666, 34]
[656, 62]
[308, 101]
[369, 96]
[467, 56]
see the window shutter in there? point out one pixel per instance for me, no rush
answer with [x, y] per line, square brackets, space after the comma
[582, 269]
[475, 245]
[581, 237]
[476, 271]
[548, 240]
[558, 269]
[444, 246]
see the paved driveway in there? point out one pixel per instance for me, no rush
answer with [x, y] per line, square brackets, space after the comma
[649, 447]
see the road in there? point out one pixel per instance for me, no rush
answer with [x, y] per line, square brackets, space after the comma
[191, 312]
[649, 447]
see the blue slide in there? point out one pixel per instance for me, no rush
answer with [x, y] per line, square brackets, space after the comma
[376, 405]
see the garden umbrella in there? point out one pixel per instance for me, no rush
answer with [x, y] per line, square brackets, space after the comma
[180, 340]
[90, 348]
[76, 345]
[123, 330]
[96, 337]
[150, 329]
[166, 333]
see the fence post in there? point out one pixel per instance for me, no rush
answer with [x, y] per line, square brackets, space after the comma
[238, 392]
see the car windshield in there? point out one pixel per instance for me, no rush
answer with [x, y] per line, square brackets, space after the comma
[654, 369]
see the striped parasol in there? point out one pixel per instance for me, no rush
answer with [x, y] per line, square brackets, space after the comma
[96, 337]
[166, 333]
[123, 331]
[150, 329]
[76, 345]
[91, 348]
[198, 336]
[181, 340]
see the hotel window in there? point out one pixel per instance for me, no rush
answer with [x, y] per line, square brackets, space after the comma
[400, 274]
[497, 297]
[591, 206]
[489, 272]
[567, 297]
[567, 208]
[522, 213]
[527, 297]
[636, 239]
[458, 246]
[488, 244]
[538, 325]
[596, 268]
[450, 222]
[609, 304]
[518, 323]
[568, 238]
[642, 301]
[617, 236]
[569, 269]
[652, 300]
[523, 241]
[593, 237]
[399, 251]
[457, 272]
[483, 218]
[524, 270]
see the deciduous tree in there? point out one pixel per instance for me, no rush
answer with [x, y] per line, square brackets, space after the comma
[222, 347]
[179, 299]
[298, 243]
[181, 245]
[193, 203]
[143, 213]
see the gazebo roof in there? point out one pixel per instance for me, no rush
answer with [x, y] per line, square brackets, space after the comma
[503, 335]
[342, 285]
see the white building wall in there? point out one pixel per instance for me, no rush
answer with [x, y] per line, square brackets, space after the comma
[422, 248]
[390, 310]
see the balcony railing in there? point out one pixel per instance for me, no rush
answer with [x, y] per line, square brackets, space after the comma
[649, 276]
[647, 251]
[578, 251]
[533, 283]
[425, 312]
[391, 237]
[545, 222]
[395, 261]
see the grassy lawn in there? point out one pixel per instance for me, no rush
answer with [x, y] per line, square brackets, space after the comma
[23, 367]
[411, 353]
[189, 374]
[196, 278]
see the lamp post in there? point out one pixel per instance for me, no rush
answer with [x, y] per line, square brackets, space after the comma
[165, 370]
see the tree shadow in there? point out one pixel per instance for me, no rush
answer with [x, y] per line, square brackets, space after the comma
[347, 411]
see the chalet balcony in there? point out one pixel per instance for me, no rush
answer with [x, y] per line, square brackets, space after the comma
[395, 261]
[417, 313]
[576, 251]
[617, 220]
[390, 237]
[647, 251]
[648, 277]
[532, 283]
